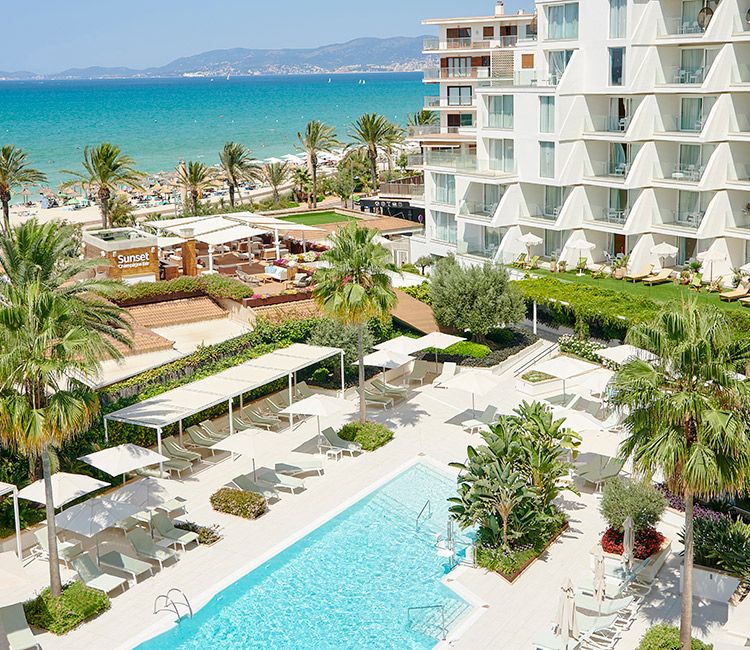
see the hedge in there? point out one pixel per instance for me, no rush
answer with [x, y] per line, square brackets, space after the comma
[248, 505]
[666, 637]
[74, 606]
[369, 435]
[216, 286]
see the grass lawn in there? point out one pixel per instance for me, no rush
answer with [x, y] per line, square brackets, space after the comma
[660, 292]
[316, 218]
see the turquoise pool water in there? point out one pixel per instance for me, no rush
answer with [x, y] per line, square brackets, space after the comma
[346, 585]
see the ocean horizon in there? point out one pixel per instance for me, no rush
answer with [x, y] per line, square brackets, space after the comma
[163, 120]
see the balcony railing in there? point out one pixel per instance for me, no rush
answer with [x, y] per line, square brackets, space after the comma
[612, 169]
[546, 212]
[521, 79]
[683, 124]
[683, 27]
[610, 123]
[688, 76]
[690, 173]
[478, 249]
[434, 44]
[688, 219]
[481, 209]
[463, 162]
[431, 74]
[432, 101]
[612, 215]
[414, 191]
[416, 130]
[743, 173]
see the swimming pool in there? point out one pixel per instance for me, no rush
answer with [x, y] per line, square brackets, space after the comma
[348, 584]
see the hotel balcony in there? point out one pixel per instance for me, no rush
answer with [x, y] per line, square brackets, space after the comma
[478, 209]
[544, 212]
[613, 216]
[687, 76]
[435, 44]
[521, 79]
[684, 26]
[404, 189]
[688, 173]
[685, 219]
[613, 170]
[438, 74]
[433, 102]
[610, 123]
[463, 162]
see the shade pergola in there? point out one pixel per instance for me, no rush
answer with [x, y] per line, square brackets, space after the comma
[177, 404]
[565, 368]
[65, 488]
[621, 354]
[6, 489]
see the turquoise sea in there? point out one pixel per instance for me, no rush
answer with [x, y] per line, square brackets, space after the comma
[160, 121]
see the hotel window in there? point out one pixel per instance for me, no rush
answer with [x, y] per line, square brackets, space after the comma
[547, 114]
[459, 66]
[618, 18]
[460, 119]
[563, 21]
[558, 62]
[502, 156]
[527, 61]
[445, 189]
[547, 159]
[445, 227]
[459, 95]
[616, 66]
[488, 33]
[553, 240]
[500, 114]
[693, 112]
[553, 200]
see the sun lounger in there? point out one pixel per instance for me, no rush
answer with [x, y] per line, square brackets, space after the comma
[302, 390]
[598, 271]
[520, 261]
[696, 282]
[245, 483]
[200, 439]
[94, 578]
[449, 371]
[173, 449]
[658, 278]
[483, 421]
[66, 551]
[533, 263]
[17, 631]
[715, 286]
[637, 277]
[588, 626]
[736, 294]
[377, 399]
[334, 442]
[606, 607]
[166, 529]
[212, 431]
[418, 372]
[145, 548]
[275, 405]
[597, 476]
[256, 419]
[300, 467]
[389, 390]
[278, 481]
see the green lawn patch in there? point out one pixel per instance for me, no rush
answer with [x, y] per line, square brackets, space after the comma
[317, 218]
[74, 606]
[369, 435]
[536, 377]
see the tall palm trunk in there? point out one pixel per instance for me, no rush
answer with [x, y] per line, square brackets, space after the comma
[103, 196]
[373, 155]
[55, 583]
[231, 194]
[5, 200]
[686, 615]
[361, 357]
[314, 167]
[194, 197]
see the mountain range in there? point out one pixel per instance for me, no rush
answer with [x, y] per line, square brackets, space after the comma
[396, 54]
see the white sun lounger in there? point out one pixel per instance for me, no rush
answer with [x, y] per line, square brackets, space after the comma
[300, 467]
[290, 483]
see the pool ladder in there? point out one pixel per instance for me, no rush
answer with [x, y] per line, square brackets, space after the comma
[169, 604]
[426, 511]
[423, 608]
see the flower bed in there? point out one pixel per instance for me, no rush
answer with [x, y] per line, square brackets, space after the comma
[267, 300]
[647, 542]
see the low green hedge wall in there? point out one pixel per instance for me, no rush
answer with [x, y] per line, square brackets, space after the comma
[369, 435]
[216, 286]
[248, 505]
[74, 606]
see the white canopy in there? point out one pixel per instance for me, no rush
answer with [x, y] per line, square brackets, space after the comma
[240, 443]
[123, 459]
[321, 405]
[582, 245]
[403, 345]
[145, 494]
[563, 367]
[476, 382]
[168, 242]
[621, 354]
[94, 515]
[576, 420]
[530, 239]
[664, 250]
[235, 232]
[65, 488]
[386, 359]
[440, 340]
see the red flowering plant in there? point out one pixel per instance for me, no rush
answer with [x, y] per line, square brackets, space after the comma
[647, 542]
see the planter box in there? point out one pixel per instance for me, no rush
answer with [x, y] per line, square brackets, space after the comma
[166, 297]
[711, 584]
[654, 566]
[536, 389]
[278, 299]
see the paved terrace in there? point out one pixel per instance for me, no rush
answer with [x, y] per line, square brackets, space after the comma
[505, 617]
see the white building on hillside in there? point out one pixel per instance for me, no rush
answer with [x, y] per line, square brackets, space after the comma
[621, 123]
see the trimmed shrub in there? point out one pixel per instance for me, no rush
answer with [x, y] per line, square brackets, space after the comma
[722, 543]
[60, 615]
[420, 291]
[369, 435]
[216, 286]
[248, 505]
[641, 501]
[667, 637]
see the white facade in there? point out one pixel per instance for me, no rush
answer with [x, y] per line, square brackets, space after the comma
[624, 123]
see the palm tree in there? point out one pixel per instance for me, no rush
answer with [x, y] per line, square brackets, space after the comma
[105, 169]
[317, 138]
[14, 172]
[121, 211]
[687, 415]
[195, 177]
[355, 287]
[423, 118]
[275, 175]
[51, 327]
[372, 134]
[237, 165]
[301, 181]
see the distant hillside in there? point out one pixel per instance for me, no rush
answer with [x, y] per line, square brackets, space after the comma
[397, 54]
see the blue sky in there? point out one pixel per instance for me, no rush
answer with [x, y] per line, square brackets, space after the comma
[51, 35]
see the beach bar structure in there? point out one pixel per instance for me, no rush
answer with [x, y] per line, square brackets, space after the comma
[175, 405]
[126, 254]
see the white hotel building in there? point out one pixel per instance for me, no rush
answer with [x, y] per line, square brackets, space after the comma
[622, 123]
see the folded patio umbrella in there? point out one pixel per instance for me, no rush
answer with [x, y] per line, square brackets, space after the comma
[600, 583]
[123, 459]
[567, 623]
[65, 488]
[628, 543]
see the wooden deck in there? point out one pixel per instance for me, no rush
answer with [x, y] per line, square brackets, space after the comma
[414, 313]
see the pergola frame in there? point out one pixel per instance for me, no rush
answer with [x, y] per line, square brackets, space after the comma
[5, 489]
